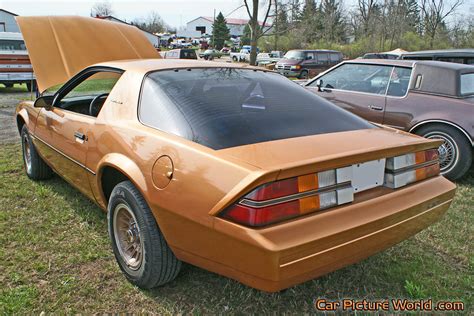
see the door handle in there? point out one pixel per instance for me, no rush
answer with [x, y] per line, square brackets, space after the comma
[375, 108]
[80, 136]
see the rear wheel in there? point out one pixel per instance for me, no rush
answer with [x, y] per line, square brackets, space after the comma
[36, 168]
[138, 244]
[455, 154]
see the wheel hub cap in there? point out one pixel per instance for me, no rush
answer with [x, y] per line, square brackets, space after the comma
[448, 151]
[127, 236]
[27, 152]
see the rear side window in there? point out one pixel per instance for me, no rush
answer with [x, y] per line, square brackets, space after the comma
[467, 84]
[322, 57]
[399, 81]
[225, 107]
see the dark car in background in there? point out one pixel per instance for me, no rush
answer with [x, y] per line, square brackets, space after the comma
[460, 56]
[429, 98]
[180, 54]
[380, 56]
[307, 63]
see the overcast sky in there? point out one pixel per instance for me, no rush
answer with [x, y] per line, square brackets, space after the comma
[174, 12]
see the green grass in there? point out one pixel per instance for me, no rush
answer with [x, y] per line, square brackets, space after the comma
[56, 258]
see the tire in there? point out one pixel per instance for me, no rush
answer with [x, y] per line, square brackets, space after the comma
[31, 86]
[304, 74]
[36, 168]
[157, 264]
[234, 58]
[206, 57]
[456, 152]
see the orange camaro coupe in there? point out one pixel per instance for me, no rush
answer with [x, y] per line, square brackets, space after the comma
[233, 169]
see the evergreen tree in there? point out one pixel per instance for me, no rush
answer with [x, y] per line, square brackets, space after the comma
[220, 31]
[333, 22]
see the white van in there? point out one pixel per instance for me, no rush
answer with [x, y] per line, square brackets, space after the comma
[15, 65]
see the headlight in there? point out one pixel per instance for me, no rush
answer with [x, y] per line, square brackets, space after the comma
[296, 67]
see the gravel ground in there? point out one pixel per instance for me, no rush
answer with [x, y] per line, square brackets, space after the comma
[9, 98]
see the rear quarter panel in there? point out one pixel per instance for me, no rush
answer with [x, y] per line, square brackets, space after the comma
[416, 108]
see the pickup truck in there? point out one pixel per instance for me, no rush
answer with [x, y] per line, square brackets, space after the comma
[15, 66]
[264, 59]
[243, 55]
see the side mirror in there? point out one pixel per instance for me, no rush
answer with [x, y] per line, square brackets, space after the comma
[319, 84]
[44, 102]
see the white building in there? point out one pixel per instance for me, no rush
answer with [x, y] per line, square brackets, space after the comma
[154, 39]
[203, 25]
[8, 22]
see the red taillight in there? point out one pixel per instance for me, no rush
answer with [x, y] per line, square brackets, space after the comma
[284, 199]
[274, 190]
[262, 216]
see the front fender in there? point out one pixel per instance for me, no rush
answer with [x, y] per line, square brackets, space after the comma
[27, 114]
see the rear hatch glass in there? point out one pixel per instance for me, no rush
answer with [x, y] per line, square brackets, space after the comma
[228, 107]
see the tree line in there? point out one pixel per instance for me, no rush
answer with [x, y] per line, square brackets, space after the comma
[365, 26]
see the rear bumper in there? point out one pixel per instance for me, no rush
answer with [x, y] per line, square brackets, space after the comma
[283, 255]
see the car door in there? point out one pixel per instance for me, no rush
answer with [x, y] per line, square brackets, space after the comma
[358, 88]
[310, 62]
[66, 127]
[323, 62]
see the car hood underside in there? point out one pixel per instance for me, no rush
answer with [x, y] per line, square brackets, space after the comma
[59, 47]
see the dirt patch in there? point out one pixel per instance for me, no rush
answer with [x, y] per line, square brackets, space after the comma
[9, 98]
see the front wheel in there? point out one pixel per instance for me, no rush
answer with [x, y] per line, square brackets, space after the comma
[304, 74]
[138, 244]
[455, 154]
[234, 58]
[36, 168]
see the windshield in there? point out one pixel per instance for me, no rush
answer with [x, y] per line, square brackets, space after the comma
[294, 54]
[467, 84]
[226, 107]
[12, 45]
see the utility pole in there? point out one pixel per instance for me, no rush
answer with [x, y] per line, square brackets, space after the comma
[213, 32]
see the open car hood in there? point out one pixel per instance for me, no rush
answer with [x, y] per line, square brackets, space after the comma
[60, 47]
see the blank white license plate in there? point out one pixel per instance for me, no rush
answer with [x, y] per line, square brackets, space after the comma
[368, 175]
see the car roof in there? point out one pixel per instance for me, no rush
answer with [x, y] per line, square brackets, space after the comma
[412, 63]
[316, 50]
[148, 65]
[389, 62]
[442, 52]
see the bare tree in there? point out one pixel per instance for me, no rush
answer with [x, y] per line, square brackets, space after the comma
[434, 14]
[102, 8]
[255, 31]
[152, 23]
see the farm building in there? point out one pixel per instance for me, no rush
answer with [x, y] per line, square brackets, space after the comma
[7, 22]
[203, 25]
